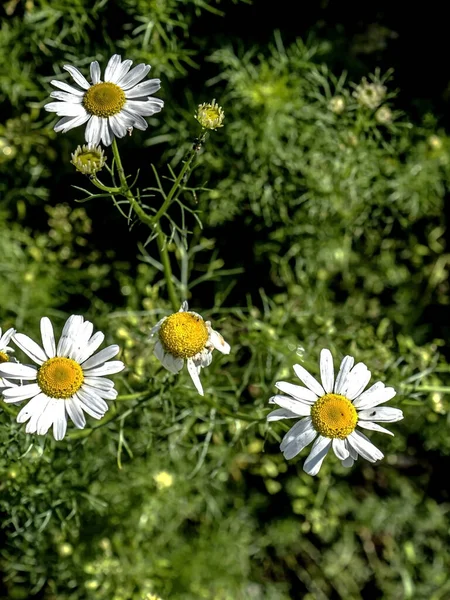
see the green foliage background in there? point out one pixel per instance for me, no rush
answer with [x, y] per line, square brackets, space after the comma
[319, 230]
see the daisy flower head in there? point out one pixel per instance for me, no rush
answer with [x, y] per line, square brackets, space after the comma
[184, 335]
[331, 410]
[69, 379]
[112, 106]
[5, 350]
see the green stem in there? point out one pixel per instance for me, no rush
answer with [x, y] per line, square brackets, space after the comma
[429, 388]
[125, 190]
[105, 188]
[8, 409]
[164, 254]
[183, 173]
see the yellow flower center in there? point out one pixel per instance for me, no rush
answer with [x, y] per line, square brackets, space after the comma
[210, 115]
[334, 416]
[104, 99]
[60, 377]
[3, 357]
[183, 334]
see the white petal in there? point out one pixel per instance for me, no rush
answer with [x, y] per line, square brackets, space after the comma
[172, 364]
[353, 453]
[106, 133]
[75, 412]
[37, 413]
[31, 349]
[93, 400]
[194, 373]
[78, 77]
[113, 366]
[121, 70]
[340, 449]
[364, 446]
[109, 394]
[341, 379]
[17, 371]
[113, 63]
[90, 347]
[146, 108]
[45, 421]
[281, 413]
[118, 128]
[66, 97]
[159, 351]
[59, 420]
[101, 357]
[316, 456]
[89, 410]
[95, 72]
[348, 462]
[357, 380]
[34, 406]
[374, 427]
[67, 123]
[302, 409]
[21, 392]
[65, 109]
[297, 438]
[309, 380]
[297, 391]
[92, 135]
[327, 370]
[100, 383]
[218, 342]
[130, 118]
[144, 89]
[48, 338]
[62, 85]
[69, 335]
[377, 394]
[184, 306]
[134, 76]
[383, 414]
[157, 327]
[5, 339]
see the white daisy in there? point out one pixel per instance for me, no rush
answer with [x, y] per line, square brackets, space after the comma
[5, 350]
[332, 411]
[68, 379]
[110, 107]
[186, 336]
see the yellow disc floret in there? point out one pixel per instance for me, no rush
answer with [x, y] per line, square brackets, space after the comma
[183, 334]
[104, 99]
[3, 357]
[334, 416]
[60, 377]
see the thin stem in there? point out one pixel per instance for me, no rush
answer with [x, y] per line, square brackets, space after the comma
[125, 190]
[164, 254]
[428, 388]
[184, 171]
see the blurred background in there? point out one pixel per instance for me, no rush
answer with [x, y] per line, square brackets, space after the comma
[324, 224]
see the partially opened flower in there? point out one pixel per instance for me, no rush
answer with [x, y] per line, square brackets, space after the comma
[110, 107]
[5, 350]
[331, 412]
[184, 335]
[68, 381]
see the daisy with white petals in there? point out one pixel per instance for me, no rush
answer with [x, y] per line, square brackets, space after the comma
[186, 336]
[331, 412]
[68, 381]
[112, 106]
[5, 350]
